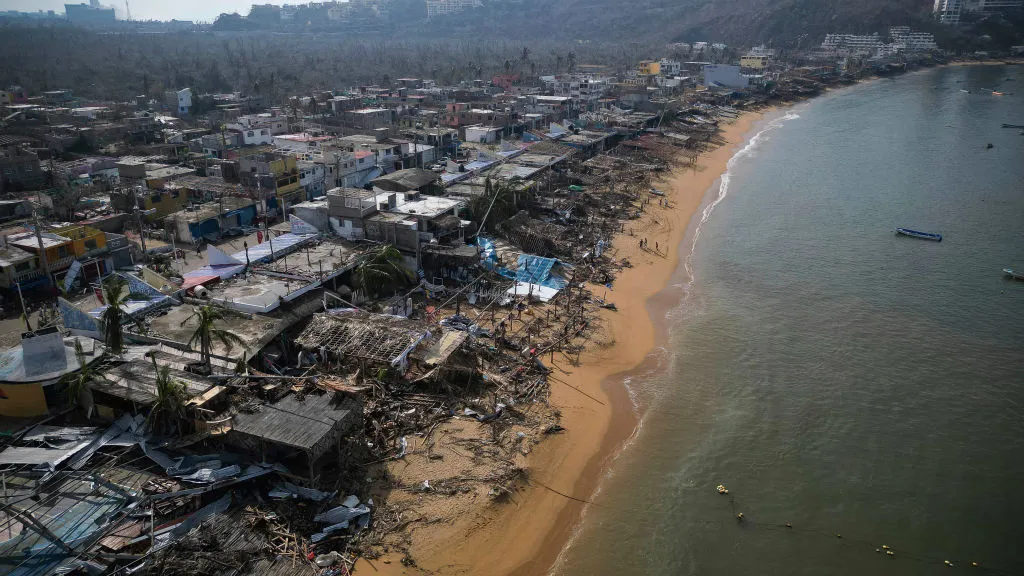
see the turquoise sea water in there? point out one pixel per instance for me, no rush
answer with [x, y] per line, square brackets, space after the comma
[831, 374]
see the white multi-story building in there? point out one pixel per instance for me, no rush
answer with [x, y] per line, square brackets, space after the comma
[762, 52]
[442, 7]
[906, 40]
[852, 44]
[991, 6]
[948, 11]
[184, 100]
[582, 87]
[670, 67]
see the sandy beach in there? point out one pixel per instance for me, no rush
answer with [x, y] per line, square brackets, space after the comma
[525, 536]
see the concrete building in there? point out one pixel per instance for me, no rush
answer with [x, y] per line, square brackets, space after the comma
[20, 170]
[852, 44]
[751, 62]
[483, 134]
[670, 67]
[906, 40]
[89, 15]
[649, 68]
[369, 118]
[17, 266]
[442, 7]
[274, 177]
[585, 88]
[184, 99]
[948, 11]
[348, 209]
[207, 222]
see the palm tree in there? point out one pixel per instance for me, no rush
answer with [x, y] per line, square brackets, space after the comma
[78, 391]
[206, 331]
[171, 394]
[114, 292]
[380, 268]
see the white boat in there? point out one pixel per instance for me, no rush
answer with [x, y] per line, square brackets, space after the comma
[1015, 275]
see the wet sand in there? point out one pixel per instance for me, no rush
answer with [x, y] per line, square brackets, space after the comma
[526, 536]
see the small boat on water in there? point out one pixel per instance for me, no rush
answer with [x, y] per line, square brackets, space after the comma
[918, 234]
[1015, 275]
[965, 91]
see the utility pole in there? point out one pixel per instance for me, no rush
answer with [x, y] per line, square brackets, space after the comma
[138, 220]
[42, 250]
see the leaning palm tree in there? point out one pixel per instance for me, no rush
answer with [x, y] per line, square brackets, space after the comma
[207, 331]
[114, 292]
[78, 391]
[169, 408]
[379, 269]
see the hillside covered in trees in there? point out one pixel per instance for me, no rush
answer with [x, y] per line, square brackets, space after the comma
[256, 54]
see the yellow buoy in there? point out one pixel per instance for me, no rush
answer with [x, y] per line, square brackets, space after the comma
[885, 546]
[889, 553]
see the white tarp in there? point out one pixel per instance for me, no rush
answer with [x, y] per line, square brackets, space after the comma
[534, 291]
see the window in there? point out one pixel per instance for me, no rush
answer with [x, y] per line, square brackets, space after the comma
[175, 193]
[22, 266]
[90, 244]
[63, 252]
[155, 199]
[352, 203]
[249, 134]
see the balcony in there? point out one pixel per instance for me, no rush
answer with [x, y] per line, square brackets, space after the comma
[61, 263]
[26, 276]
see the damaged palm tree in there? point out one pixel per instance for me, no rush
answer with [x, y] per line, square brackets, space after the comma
[380, 269]
[78, 391]
[207, 331]
[113, 317]
[169, 409]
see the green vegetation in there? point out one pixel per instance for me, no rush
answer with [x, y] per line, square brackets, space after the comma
[381, 269]
[207, 331]
[113, 318]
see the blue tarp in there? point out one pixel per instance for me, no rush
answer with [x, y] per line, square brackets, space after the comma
[133, 306]
[537, 270]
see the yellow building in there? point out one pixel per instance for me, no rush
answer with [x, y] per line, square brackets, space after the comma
[85, 241]
[650, 68]
[754, 62]
[276, 175]
[60, 251]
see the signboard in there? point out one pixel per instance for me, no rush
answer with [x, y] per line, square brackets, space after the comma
[73, 271]
[300, 226]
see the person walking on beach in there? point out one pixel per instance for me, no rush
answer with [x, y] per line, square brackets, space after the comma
[657, 248]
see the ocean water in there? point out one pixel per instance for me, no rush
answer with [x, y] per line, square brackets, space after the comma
[866, 388]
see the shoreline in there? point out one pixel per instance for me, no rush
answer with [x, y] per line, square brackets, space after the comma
[527, 535]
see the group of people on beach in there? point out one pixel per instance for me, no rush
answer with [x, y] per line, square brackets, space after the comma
[645, 246]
